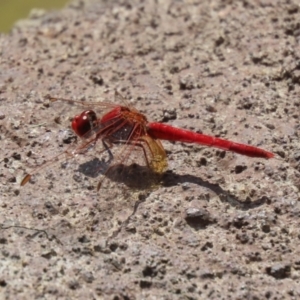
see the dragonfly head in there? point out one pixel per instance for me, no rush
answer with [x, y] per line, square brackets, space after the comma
[84, 123]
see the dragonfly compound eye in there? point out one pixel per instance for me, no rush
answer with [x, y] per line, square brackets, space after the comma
[83, 124]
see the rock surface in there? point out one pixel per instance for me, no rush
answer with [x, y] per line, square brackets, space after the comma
[219, 225]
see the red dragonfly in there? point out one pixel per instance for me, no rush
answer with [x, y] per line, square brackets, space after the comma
[126, 125]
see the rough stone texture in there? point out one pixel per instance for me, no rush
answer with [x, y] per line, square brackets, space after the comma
[219, 225]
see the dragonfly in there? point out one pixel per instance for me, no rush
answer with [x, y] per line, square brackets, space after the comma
[125, 125]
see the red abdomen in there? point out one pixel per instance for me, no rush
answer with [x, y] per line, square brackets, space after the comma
[167, 132]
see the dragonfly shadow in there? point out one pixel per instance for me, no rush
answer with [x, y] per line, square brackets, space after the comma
[139, 177]
[171, 179]
[133, 176]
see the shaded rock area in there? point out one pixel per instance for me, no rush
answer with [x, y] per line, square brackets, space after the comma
[216, 225]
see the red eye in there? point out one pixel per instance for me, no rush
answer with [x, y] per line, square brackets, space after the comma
[84, 123]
